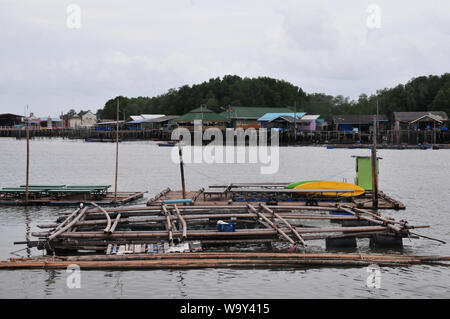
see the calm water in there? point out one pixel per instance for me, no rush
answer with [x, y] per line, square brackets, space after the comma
[420, 179]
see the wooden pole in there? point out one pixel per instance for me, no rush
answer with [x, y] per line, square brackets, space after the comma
[180, 152]
[374, 166]
[117, 153]
[295, 120]
[28, 162]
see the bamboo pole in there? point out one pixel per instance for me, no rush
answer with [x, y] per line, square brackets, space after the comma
[69, 225]
[206, 233]
[216, 260]
[168, 223]
[268, 221]
[117, 153]
[180, 152]
[143, 219]
[264, 207]
[183, 222]
[116, 222]
[28, 162]
[108, 219]
[374, 165]
[73, 214]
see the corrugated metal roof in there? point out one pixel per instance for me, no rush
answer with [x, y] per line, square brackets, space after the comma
[269, 117]
[310, 117]
[252, 112]
[152, 116]
[201, 113]
[412, 116]
[163, 118]
[358, 119]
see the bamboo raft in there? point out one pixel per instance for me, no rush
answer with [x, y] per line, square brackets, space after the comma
[73, 198]
[235, 194]
[177, 236]
[218, 260]
[100, 227]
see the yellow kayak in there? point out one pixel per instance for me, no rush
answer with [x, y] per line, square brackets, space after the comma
[325, 185]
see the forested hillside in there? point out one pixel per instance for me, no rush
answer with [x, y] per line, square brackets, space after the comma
[419, 94]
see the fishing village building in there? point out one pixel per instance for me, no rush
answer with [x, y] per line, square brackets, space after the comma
[49, 123]
[207, 117]
[136, 122]
[248, 116]
[9, 120]
[161, 123]
[420, 120]
[88, 119]
[359, 123]
[283, 121]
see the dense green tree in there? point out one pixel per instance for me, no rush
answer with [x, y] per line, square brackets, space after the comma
[420, 94]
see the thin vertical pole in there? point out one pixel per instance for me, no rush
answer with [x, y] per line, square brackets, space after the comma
[434, 133]
[180, 153]
[28, 162]
[374, 166]
[295, 120]
[117, 153]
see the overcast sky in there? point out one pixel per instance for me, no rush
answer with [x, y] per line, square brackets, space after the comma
[144, 48]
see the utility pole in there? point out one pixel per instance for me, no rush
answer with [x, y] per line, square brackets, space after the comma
[117, 153]
[374, 166]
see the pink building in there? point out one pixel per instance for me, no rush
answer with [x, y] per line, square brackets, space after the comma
[307, 123]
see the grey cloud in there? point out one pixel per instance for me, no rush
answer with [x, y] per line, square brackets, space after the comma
[146, 48]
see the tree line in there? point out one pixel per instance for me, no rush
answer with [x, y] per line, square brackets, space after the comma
[424, 93]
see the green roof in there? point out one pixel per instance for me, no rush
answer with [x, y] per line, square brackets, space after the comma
[201, 113]
[252, 112]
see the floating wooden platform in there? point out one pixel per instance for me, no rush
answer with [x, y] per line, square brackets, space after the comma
[237, 194]
[73, 199]
[198, 232]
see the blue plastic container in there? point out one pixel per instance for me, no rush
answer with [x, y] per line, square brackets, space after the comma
[226, 228]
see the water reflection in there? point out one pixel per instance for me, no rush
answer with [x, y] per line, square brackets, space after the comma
[50, 281]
